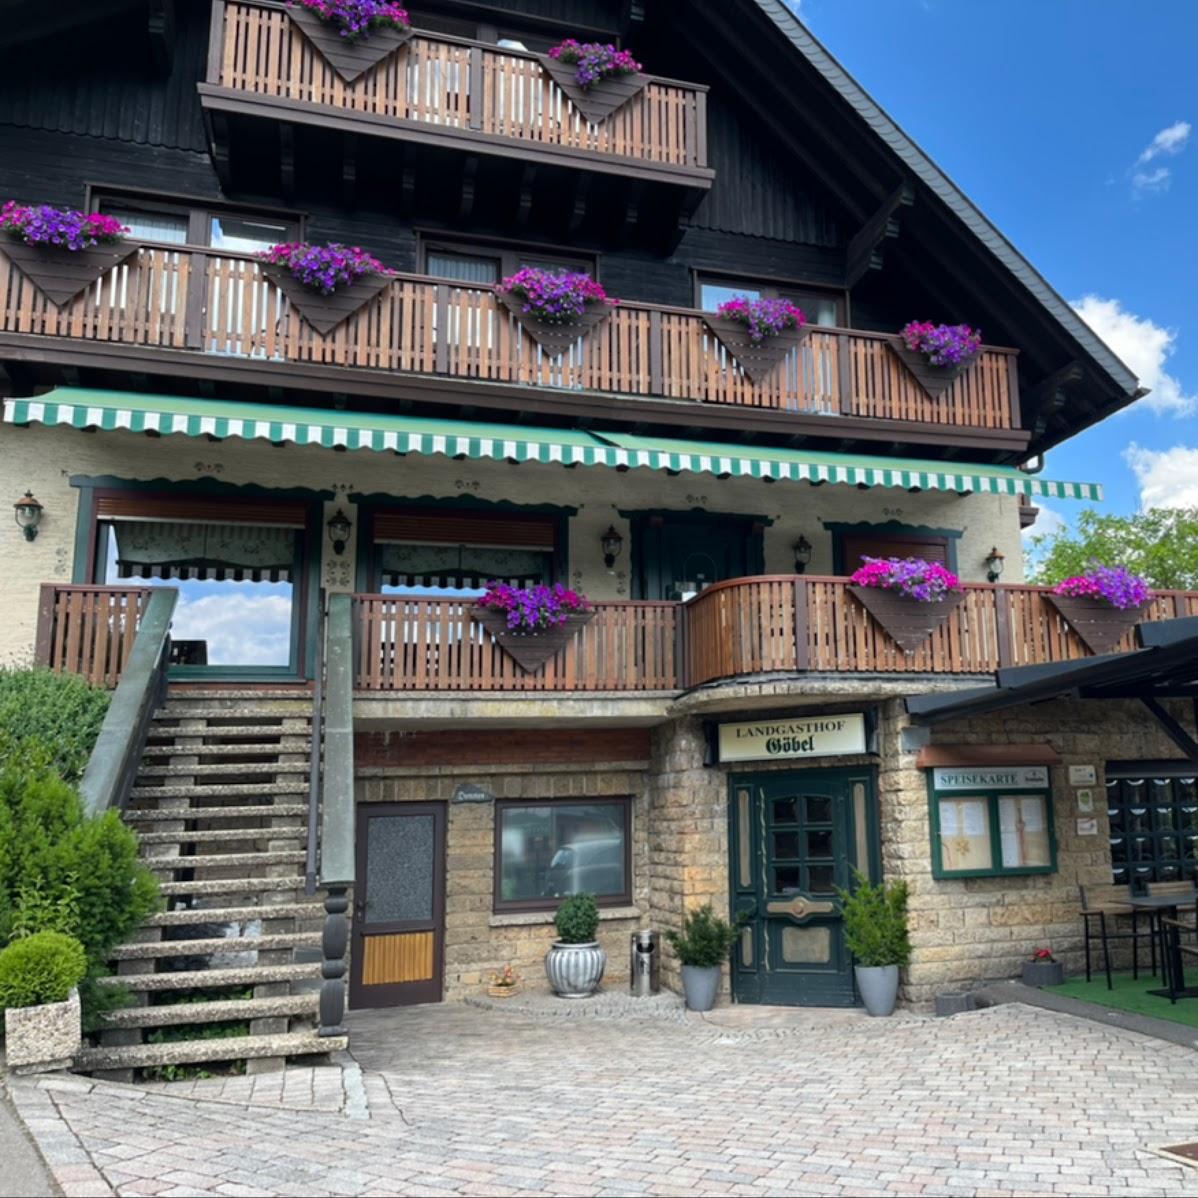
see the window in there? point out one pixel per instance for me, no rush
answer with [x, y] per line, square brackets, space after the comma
[547, 850]
[245, 235]
[856, 546]
[820, 307]
[471, 262]
[1154, 826]
[180, 222]
[991, 821]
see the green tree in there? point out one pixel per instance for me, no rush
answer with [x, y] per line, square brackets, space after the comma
[1161, 545]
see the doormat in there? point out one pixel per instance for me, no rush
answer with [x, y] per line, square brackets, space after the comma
[1183, 1154]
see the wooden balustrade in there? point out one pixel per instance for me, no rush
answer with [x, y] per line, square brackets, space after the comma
[453, 83]
[222, 304]
[88, 630]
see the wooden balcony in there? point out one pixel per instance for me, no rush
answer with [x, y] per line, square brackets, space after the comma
[781, 624]
[198, 313]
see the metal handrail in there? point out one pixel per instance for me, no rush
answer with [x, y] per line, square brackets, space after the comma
[315, 755]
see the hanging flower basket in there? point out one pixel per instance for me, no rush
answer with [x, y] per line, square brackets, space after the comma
[532, 624]
[59, 250]
[351, 55]
[909, 597]
[758, 333]
[326, 284]
[555, 308]
[597, 79]
[936, 354]
[1102, 605]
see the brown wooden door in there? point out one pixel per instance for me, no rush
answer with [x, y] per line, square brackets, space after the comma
[399, 905]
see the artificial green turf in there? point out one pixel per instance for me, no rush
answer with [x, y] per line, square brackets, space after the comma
[1129, 995]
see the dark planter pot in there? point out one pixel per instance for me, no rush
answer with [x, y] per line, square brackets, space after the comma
[555, 339]
[1100, 625]
[908, 622]
[955, 1002]
[935, 380]
[755, 358]
[348, 59]
[531, 650]
[325, 312]
[600, 100]
[1043, 973]
[61, 274]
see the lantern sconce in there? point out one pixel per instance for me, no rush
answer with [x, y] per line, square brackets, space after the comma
[28, 514]
[339, 527]
[994, 564]
[802, 552]
[612, 544]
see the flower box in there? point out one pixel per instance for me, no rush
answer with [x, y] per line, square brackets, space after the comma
[59, 273]
[531, 649]
[349, 58]
[908, 622]
[935, 380]
[597, 102]
[1100, 625]
[755, 358]
[43, 1038]
[555, 339]
[325, 312]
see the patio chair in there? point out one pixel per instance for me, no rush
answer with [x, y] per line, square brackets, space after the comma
[1181, 890]
[1171, 943]
[1108, 908]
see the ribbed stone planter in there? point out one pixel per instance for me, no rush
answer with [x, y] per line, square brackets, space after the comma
[700, 985]
[878, 987]
[61, 274]
[1042, 973]
[531, 650]
[601, 99]
[348, 58]
[555, 339]
[1099, 625]
[44, 1038]
[935, 380]
[908, 622]
[325, 312]
[755, 358]
[575, 970]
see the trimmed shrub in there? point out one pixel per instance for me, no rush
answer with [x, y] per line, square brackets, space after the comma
[875, 921]
[705, 939]
[41, 968]
[61, 712]
[577, 919]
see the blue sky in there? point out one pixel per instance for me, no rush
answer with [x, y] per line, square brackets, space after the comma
[1068, 123]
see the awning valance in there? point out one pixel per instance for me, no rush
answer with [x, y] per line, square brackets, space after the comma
[240, 552]
[163, 414]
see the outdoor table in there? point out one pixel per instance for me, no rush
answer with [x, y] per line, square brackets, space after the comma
[1171, 964]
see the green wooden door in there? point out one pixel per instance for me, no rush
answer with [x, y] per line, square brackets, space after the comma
[681, 554]
[794, 838]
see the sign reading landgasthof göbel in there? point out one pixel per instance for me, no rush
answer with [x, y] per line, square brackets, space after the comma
[806, 736]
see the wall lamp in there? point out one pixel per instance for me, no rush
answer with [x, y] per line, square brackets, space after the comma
[802, 552]
[28, 513]
[339, 527]
[612, 544]
[994, 564]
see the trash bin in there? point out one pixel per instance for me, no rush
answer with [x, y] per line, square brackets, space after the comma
[644, 966]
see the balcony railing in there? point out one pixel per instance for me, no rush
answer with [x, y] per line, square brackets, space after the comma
[743, 627]
[222, 305]
[447, 83]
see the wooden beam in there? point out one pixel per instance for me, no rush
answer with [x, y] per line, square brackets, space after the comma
[1172, 728]
[528, 176]
[864, 252]
[582, 194]
[218, 144]
[160, 26]
[468, 187]
[349, 170]
[287, 162]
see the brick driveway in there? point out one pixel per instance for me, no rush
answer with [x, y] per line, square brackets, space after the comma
[457, 1100]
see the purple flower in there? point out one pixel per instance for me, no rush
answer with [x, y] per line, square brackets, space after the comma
[554, 296]
[530, 609]
[357, 18]
[763, 317]
[62, 227]
[1115, 585]
[324, 268]
[913, 577]
[594, 61]
[944, 344]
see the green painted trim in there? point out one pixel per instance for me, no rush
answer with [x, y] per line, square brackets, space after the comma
[840, 529]
[997, 870]
[337, 816]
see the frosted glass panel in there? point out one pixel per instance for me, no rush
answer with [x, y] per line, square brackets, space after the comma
[399, 868]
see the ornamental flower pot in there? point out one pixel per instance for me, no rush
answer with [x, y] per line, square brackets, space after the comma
[1042, 973]
[575, 970]
[908, 622]
[597, 102]
[755, 358]
[878, 987]
[530, 650]
[325, 312]
[348, 58]
[935, 380]
[700, 985]
[61, 274]
[1100, 626]
[43, 1038]
[555, 339]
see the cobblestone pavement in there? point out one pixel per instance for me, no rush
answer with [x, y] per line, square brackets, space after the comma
[457, 1099]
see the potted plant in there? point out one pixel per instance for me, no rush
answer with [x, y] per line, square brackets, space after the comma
[758, 333]
[575, 963]
[532, 623]
[702, 947]
[325, 283]
[937, 353]
[504, 983]
[61, 250]
[909, 597]
[555, 307]
[875, 930]
[1101, 604]
[351, 35]
[39, 976]
[1042, 969]
[596, 77]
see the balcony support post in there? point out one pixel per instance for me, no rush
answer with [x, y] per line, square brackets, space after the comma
[656, 379]
[442, 345]
[802, 622]
[474, 89]
[1002, 628]
[844, 371]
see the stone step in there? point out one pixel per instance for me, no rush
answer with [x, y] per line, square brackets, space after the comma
[291, 832]
[226, 860]
[257, 811]
[242, 975]
[246, 749]
[312, 910]
[288, 886]
[288, 726]
[229, 790]
[244, 712]
[186, 1052]
[183, 694]
[225, 769]
[214, 1012]
[158, 949]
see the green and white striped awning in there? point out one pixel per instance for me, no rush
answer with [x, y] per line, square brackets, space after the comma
[164, 414]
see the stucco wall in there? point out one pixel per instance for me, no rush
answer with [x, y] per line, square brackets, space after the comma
[44, 460]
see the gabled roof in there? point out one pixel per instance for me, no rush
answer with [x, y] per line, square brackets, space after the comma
[954, 199]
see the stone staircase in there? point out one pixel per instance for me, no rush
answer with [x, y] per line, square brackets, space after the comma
[221, 807]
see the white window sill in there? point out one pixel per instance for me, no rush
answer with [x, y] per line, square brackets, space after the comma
[517, 919]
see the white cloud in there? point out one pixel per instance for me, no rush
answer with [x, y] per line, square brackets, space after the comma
[1157, 180]
[241, 629]
[1167, 477]
[1170, 140]
[1144, 346]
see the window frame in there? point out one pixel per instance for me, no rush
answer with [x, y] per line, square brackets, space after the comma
[774, 288]
[991, 797]
[502, 906]
[507, 253]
